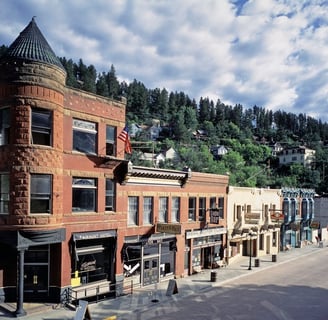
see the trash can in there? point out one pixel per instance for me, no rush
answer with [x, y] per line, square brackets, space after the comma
[274, 258]
[257, 262]
[213, 276]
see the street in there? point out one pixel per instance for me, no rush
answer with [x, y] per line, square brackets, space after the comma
[294, 290]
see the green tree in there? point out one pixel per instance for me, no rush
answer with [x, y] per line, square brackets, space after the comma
[113, 84]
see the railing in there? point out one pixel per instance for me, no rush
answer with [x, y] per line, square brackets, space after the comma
[99, 290]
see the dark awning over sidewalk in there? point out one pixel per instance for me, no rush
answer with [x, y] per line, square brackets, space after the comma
[27, 238]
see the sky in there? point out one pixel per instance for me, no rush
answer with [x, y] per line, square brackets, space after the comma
[268, 53]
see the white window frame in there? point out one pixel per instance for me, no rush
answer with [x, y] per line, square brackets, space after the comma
[110, 195]
[133, 207]
[175, 209]
[148, 208]
[89, 129]
[80, 184]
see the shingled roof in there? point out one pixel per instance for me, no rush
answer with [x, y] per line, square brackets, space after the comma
[31, 45]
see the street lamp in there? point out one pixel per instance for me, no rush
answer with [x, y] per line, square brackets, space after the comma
[250, 251]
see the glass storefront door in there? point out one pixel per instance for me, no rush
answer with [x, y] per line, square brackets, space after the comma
[36, 279]
[36, 272]
[150, 271]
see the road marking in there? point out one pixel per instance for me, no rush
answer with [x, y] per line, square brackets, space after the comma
[275, 310]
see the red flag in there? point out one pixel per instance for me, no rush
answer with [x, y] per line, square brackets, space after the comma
[124, 136]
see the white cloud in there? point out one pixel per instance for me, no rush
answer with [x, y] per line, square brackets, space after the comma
[272, 53]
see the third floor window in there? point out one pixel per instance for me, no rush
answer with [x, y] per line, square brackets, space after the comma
[84, 136]
[163, 207]
[110, 141]
[192, 209]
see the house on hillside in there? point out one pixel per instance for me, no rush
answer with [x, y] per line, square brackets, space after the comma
[171, 154]
[276, 148]
[155, 129]
[200, 134]
[134, 129]
[300, 155]
[218, 151]
[156, 159]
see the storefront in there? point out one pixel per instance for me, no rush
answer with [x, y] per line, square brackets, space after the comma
[204, 249]
[32, 267]
[93, 256]
[148, 260]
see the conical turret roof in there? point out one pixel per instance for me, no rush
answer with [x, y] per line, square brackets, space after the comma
[31, 45]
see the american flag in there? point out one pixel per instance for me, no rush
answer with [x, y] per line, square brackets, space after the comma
[124, 136]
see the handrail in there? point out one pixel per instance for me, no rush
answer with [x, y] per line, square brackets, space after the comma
[98, 290]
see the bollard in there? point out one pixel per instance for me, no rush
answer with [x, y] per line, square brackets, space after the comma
[213, 276]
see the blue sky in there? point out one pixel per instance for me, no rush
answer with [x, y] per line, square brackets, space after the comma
[269, 53]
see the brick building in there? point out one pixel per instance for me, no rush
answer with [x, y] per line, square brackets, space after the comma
[74, 213]
[58, 152]
[176, 223]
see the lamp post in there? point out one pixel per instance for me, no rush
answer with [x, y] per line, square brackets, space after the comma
[250, 251]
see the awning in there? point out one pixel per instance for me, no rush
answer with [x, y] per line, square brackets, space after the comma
[90, 250]
[153, 238]
[78, 249]
[26, 238]
[236, 240]
[94, 235]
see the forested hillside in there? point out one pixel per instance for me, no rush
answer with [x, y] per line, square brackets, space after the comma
[247, 133]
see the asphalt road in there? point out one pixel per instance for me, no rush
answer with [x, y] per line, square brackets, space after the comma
[296, 290]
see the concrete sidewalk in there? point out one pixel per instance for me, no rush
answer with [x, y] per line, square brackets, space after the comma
[129, 306]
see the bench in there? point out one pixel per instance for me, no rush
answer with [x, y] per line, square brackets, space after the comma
[90, 290]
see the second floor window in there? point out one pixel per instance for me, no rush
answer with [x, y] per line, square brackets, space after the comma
[84, 194]
[221, 207]
[202, 209]
[213, 203]
[148, 210]
[84, 136]
[175, 212]
[133, 211]
[40, 198]
[192, 209]
[41, 126]
[163, 206]
[4, 193]
[110, 141]
[4, 126]
[110, 195]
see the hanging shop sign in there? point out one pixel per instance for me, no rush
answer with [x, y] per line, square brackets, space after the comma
[277, 216]
[171, 228]
[214, 216]
[315, 224]
[205, 232]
